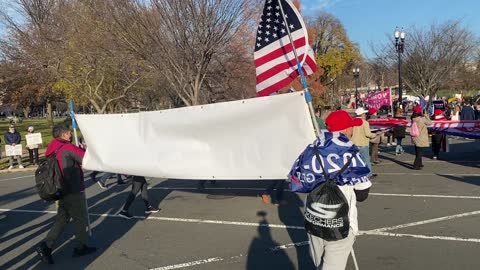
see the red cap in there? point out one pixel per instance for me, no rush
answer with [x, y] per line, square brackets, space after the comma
[437, 112]
[417, 109]
[372, 111]
[340, 120]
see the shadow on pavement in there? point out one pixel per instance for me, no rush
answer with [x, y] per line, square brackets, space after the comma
[260, 254]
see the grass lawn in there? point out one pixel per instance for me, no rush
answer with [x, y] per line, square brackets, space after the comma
[40, 125]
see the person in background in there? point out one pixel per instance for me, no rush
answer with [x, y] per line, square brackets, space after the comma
[437, 137]
[372, 112]
[456, 112]
[139, 183]
[32, 149]
[106, 176]
[71, 206]
[399, 134]
[361, 138]
[467, 112]
[277, 199]
[12, 138]
[421, 141]
[318, 116]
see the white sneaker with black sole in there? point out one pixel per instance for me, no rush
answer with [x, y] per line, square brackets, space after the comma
[124, 214]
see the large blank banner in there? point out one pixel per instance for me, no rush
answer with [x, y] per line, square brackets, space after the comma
[258, 138]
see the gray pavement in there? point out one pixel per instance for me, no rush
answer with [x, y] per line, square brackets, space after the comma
[426, 219]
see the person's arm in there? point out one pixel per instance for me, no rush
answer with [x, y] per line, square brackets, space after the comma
[7, 142]
[75, 153]
[368, 133]
[18, 138]
[428, 122]
[362, 190]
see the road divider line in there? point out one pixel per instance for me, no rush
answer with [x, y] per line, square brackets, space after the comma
[189, 264]
[14, 178]
[425, 196]
[447, 238]
[423, 222]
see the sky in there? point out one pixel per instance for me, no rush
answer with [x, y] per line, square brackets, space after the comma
[374, 21]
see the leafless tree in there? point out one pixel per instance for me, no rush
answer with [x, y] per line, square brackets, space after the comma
[180, 38]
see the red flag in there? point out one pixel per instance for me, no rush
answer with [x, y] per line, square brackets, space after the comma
[275, 61]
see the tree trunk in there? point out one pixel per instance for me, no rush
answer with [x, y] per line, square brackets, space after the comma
[26, 112]
[49, 114]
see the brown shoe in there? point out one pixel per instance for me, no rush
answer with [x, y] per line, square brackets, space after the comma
[266, 199]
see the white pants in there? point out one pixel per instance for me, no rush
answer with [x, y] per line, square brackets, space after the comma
[330, 255]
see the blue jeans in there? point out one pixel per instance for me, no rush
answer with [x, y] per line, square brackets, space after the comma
[365, 155]
[399, 145]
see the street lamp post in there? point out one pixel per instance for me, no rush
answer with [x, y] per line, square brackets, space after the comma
[399, 47]
[356, 75]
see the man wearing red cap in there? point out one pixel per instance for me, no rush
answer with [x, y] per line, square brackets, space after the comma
[335, 149]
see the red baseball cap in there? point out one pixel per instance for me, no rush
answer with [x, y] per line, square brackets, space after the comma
[340, 120]
[372, 111]
[417, 109]
[437, 112]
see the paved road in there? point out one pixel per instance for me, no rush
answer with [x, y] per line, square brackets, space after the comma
[413, 220]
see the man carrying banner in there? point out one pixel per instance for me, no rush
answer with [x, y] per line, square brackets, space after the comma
[336, 150]
[13, 138]
[361, 137]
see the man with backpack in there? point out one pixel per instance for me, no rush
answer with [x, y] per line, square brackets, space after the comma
[333, 173]
[71, 204]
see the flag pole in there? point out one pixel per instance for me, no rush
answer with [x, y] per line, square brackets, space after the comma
[74, 126]
[308, 96]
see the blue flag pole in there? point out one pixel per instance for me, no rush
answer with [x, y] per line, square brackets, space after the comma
[308, 96]
[74, 123]
[74, 126]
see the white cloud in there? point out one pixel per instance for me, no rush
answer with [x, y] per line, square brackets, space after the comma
[311, 6]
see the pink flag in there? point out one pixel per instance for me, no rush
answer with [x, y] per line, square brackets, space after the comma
[378, 99]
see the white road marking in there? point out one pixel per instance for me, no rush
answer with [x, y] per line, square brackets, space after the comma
[430, 174]
[287, 246]
[189, 264]
[433, 220]
[186, 220]
[425, 196]
[19, 177]
[447, 238]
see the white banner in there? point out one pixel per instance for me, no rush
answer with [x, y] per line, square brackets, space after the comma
[258, 138]
[34, 139]
[13, 150]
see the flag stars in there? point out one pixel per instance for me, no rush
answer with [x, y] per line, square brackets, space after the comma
[275, 35]
[277, 21]
[275, 28]
[259, 45]
[267, 40]
[259, 38]
[260, 32]
[268, 20]
[291, 26]
[269, 7]
[277, 7]
[268, 26]
[277, 14]
[269, 14]
[267, 33]
[283, 31]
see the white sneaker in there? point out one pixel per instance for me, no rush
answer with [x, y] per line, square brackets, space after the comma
[393, 143]
[389, 144]
[10, 168]
[21, 167]
[435, 158]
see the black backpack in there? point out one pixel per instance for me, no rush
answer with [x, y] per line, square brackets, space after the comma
[326, 209]
[49, 179]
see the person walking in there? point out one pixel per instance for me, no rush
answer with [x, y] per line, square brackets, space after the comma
[106, 176]
[275, 198]
[437, 137]
[72, 205]
[375, 142]
[399, 131]
[421, 141]
[361, 138]
[32, 149]
[139, 183]
[12, 138]
[352, 182]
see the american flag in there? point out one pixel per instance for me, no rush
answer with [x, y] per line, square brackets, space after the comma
[275, 62]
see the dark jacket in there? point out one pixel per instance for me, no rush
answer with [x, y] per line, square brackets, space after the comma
[70, 160]
[13, 138]
[399, 131]
[467, 113]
